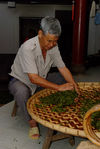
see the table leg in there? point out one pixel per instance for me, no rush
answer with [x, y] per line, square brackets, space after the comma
[72, 140]
[48, 139]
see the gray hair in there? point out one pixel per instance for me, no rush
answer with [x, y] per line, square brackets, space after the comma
[51, 25]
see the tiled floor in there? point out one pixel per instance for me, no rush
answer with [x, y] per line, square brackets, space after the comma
[14, 131]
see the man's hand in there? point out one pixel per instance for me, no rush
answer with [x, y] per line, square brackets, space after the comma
[77, 88]
[66, 86]
[65, 72]
[36, 79]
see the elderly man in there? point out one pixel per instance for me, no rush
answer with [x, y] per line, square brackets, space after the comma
[31, 65]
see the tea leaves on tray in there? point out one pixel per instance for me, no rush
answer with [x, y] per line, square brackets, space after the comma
[87, 99]
[59, 100]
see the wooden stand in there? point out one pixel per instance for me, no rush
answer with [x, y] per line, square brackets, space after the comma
[14, 111]
[50, 137]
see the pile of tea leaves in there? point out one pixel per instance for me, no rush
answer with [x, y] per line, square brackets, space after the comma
[59, 100]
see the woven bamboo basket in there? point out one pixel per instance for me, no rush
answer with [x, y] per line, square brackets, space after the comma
[91, 135]
[69, 122]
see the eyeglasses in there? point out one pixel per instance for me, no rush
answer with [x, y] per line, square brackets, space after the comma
[51, 39]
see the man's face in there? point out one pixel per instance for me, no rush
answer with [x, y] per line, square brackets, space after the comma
[48, 41]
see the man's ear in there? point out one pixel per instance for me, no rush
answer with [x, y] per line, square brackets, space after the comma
[40, 33]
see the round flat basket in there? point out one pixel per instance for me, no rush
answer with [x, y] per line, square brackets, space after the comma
[90, 133]
[69, 122]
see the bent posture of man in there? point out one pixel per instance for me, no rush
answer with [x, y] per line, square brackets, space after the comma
[32, 63]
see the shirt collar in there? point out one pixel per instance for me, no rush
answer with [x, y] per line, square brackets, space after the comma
[37, 44]
[39, 52]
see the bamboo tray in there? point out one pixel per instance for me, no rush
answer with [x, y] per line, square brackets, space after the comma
[91, 135]
[69, 122]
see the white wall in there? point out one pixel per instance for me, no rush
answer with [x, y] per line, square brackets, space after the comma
[94, 37]
[9, 25]
[9, 22]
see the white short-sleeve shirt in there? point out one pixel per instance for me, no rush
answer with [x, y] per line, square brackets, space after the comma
[29, 59]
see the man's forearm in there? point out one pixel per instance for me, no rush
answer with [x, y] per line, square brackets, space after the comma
[36, 79]
[67, 74]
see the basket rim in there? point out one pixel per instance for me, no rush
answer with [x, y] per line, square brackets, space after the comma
[87, 125]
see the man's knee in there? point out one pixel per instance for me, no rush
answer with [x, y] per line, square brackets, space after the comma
[22, 93]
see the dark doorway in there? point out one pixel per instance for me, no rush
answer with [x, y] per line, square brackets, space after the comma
[65, 40]
[28, 28]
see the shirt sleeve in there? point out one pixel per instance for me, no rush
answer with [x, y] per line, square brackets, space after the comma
[57, 59]
[27, 61]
